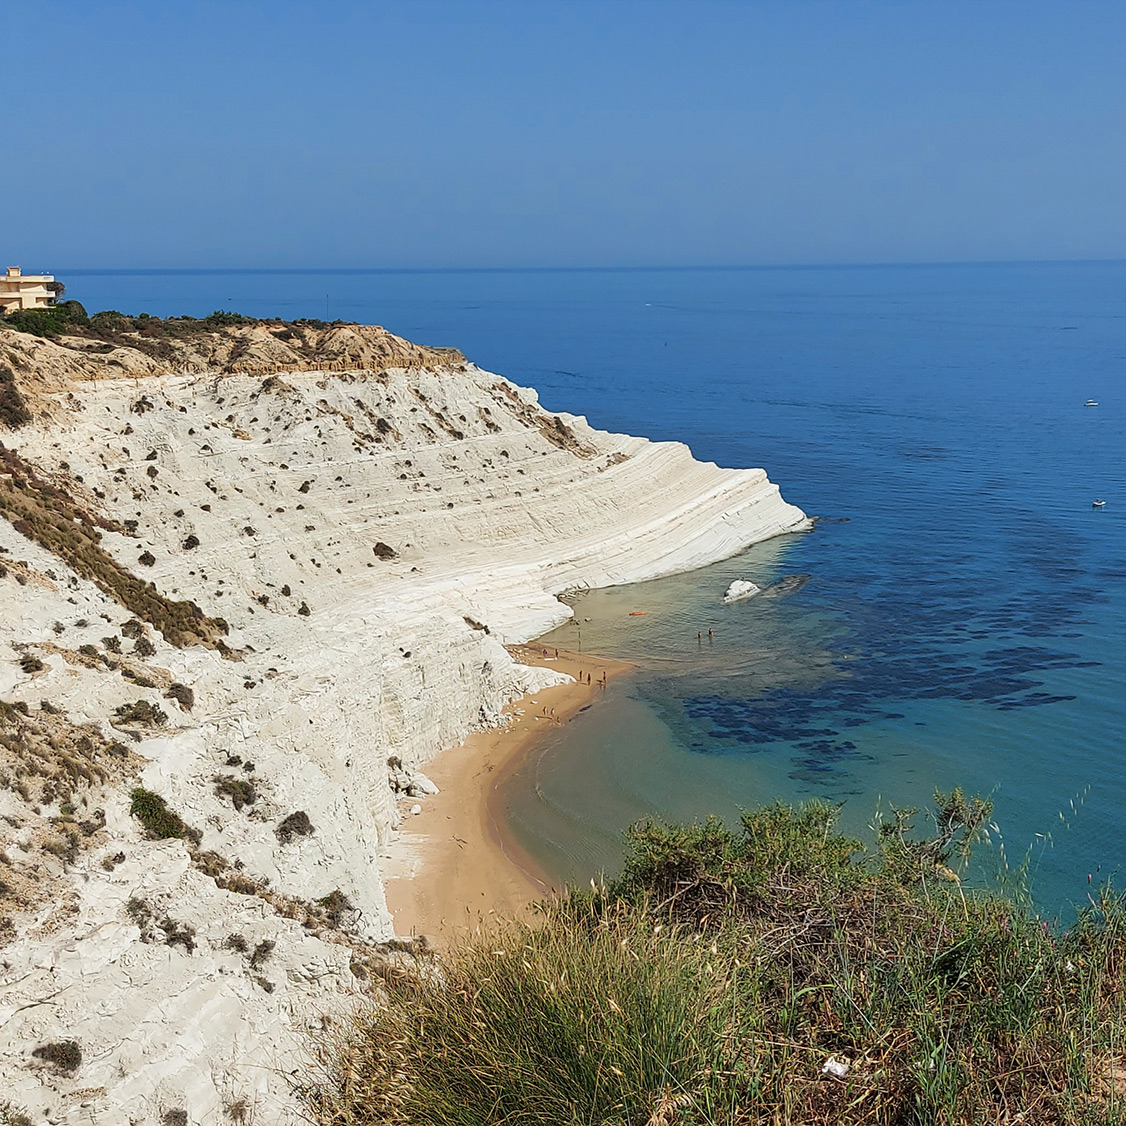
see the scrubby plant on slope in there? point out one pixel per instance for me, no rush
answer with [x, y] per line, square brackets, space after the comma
[13, 408]
[47, 514]
[776, 974]
[159, 821]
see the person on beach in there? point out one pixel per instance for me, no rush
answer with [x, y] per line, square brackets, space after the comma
[557, 654]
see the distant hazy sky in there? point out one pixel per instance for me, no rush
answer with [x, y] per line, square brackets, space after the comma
[532, 133]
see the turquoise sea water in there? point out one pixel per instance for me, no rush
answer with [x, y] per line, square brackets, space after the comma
[963, 617]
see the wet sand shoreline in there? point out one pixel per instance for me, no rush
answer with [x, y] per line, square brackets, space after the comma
[455, 865]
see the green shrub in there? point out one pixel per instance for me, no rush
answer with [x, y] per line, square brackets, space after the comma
[158, 820]
[223, 318]
[705, 870]
[109, 322]
[12, 1115]
[65, 1055]
[62, 319]
[261, 954]
[182, 694]
[712, 982]
[178, 934]
[336, 905]
[35, 322]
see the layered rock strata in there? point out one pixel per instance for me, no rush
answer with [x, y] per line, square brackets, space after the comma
[371, 533]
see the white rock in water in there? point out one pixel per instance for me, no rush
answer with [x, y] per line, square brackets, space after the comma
[416, 810]
[740, 589]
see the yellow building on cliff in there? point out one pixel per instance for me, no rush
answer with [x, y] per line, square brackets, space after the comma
[25, 291]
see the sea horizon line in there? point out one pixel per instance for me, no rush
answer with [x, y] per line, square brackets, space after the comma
[125, 271]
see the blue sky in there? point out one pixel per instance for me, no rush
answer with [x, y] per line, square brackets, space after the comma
[495, 133]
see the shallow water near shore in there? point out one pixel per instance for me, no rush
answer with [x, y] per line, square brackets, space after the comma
[789, 699]
[964, 615]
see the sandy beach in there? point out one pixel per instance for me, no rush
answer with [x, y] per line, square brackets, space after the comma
[455, 866]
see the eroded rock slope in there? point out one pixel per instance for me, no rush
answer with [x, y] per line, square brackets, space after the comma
[357, 543]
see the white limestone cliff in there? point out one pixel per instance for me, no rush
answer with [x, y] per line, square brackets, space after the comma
[374, 538]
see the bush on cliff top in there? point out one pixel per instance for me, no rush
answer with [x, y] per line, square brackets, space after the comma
[144, 331]
[58, 320]
[715, 980]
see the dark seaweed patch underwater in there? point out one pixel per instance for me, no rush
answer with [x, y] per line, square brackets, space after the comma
[979, 638]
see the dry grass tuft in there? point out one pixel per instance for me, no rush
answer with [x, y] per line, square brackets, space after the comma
[57, 771]
[52, 518]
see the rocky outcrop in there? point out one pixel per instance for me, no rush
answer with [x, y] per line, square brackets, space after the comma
[139, 348]
[740, 589]
[370, 537]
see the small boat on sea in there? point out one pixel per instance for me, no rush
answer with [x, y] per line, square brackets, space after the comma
[1091, 403]
[1098, 504]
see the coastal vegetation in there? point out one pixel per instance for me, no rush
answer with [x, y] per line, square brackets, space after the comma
[296, 824]
[46, 513]
[65, 1055]
[69, 318]
[780, 973]
[160, 822]
[13, 408]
